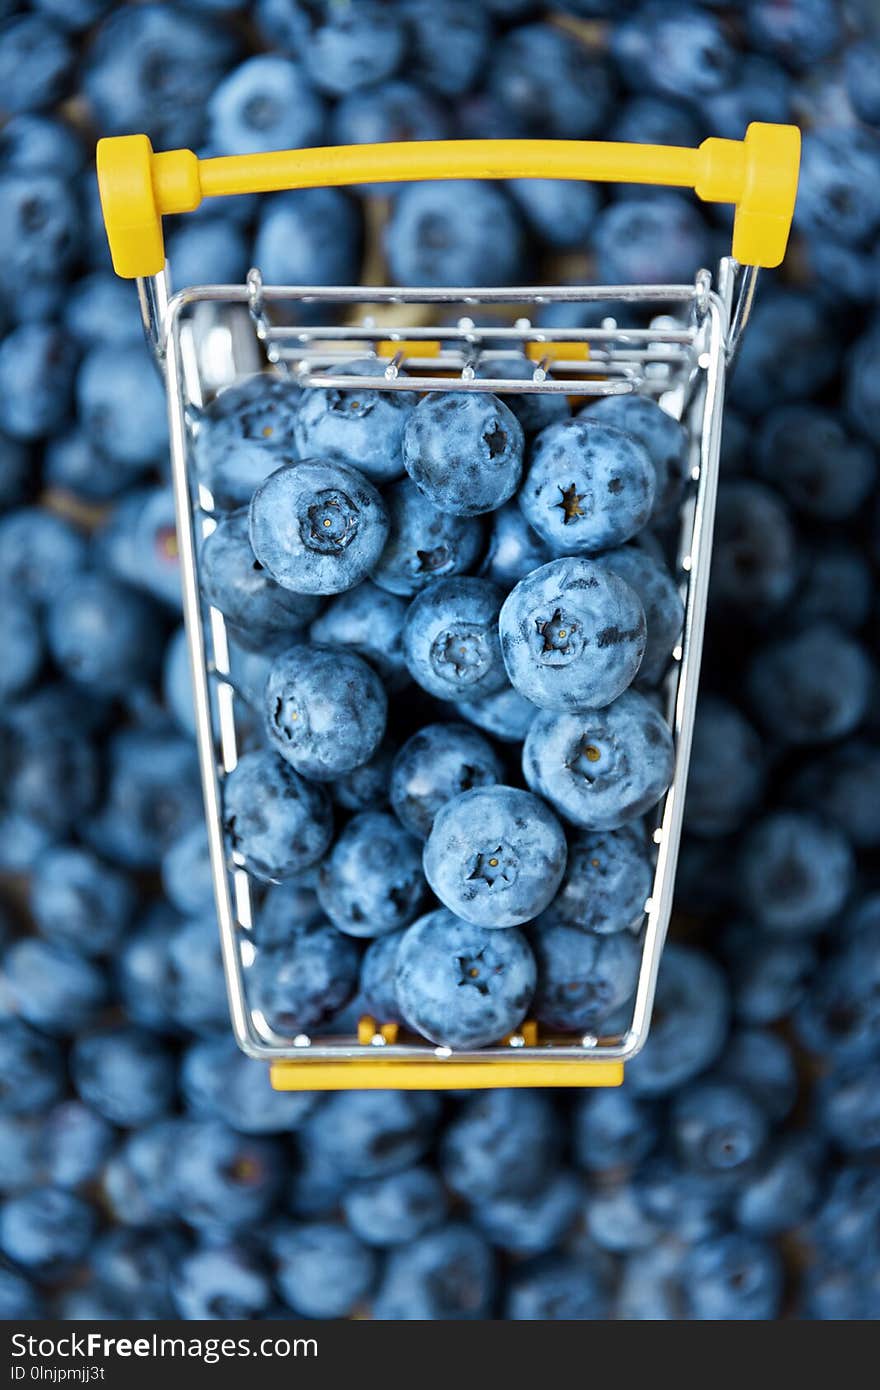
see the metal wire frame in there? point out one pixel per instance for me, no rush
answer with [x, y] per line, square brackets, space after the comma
[696, 395]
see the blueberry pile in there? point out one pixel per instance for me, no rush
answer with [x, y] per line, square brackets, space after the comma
[422, 655]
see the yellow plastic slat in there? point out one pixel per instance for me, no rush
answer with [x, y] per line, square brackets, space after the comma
[758, 174]
[379, 1074]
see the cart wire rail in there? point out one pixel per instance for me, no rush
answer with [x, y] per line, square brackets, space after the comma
[206, 337]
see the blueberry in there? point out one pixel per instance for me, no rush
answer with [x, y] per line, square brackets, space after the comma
[286, 907]
[137, 1182]
[811, 687]
[32, 144]
[588, 487]
[120, 404]
[501, 1143]
[754, 565]
[690, 1023]
[840, 1015]
[495, 856]
[507, 716]
[220, 1083]
[557, 1289]
[354, 47]
[71, 465]
[208, 251]
[370, 1134]
[318, 528]
[186, 872]
[796, 872]
[649, 1289]
[102, 634]
[450, 639]
[560, 211]
[198, 1001]
[125, 1074]
[22, 642]
[861, 65]
[534, 411]
[21, 1156]
[310, 236]
[265, 104]
[805, 451]
[152, 793]
[371, 882]
[378, 976]
[612, 1129]
[460, 985]
[673, 49]
[656, 120]
[423, 543]
[244, 434]
[46, 1229]
[218, 1282]
[572, 635]
[53, 987]
[836, 586]
[845, 1223]
[784, 1190]
[36, 61]
[656, 239]
[463, 451]
[138, 1265]
[548, 79]
[260, 611]
[40, 236]
[800, 32]
[861, 394]
[718, 1129]
[608, 877]
[458, 232]
[222, 1180]
[688, 1206]
[33, 1069]
[787, 353]
[603, 769]
[838, 179]
[393, 111]
[153, 69]
[368, 621]
[615, 1220]
[37, 366]
[276, 821]
[727, 769]
[77, 1141]
[847, 1108]
[325, 710]
[139, 543]
[763, 1063]
[733, 1278]
[395, 1210]
[446, 1274]
[663, 437]
[365, 787]
[300, 983]
[437, 763]
[582, 977]
[534, 1224]
[769, 975]
[514, 549]
[322, 1270]
[448, 44]
[762, 91]
[843, 787]
[39, 552]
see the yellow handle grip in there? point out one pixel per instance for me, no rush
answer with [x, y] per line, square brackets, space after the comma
[758, 174]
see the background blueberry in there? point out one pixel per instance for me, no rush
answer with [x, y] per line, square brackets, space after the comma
[459, 232]
[322, 1270]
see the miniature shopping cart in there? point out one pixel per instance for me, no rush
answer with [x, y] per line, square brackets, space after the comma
[670, 342]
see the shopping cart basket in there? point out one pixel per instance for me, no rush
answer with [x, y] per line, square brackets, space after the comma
[434, 340]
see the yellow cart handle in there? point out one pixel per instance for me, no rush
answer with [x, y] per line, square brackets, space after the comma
[758, 175]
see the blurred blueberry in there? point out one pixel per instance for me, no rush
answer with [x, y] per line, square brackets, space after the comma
[616, 1221]
[848, 1107]
[559, 211]
[21, 1152]
[796, 872]
[534, 1224]
[658, 239]
[53, 987]
[198, 1001]
[120, 403]
[582, 978]
[221, 1180]
[550, 81]
[811, 687]
[21, 638]
[72, 465]
[450, 639]
[603, 769]
[456, 232]
[40, 232]
[208, 251]
[733, 1278]
[781, 1194]
[727, 769]
[768, 974]
[46, 1229]
[393, 111]
[351, 46]
[612, 1129]
[265, 104]
[276, 821]
[673, 48]
[152, 68]
[862, 70]
[837, 585]
[448, 44]
[840, 1014]
[787, 354]
[138, 1266]
[754, 565]
[17, 472]
[139, 543]
[77, 1141]
[460, 985]
[152, 793]
[37, 367]
[718, 1129]
[322, 1270]
[764, 1064]
[761, 91]
[861, 393]
[186, 871]
[309, 236]
[396, 1209]
[558, 1289]
[423, 543]
[495, 856]
[104, 635]
[301, 982]
[839, 179]
[32, 144]
[370, 1134]
[219, 1082]
[220, 1281]
[125, 1074]
[136, 1185]
[690, 1023]
[500, 1143]
[362, 429]
[800, 32]
[36, 62]
[588, 486]
[445, 1274]
[843, 787]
